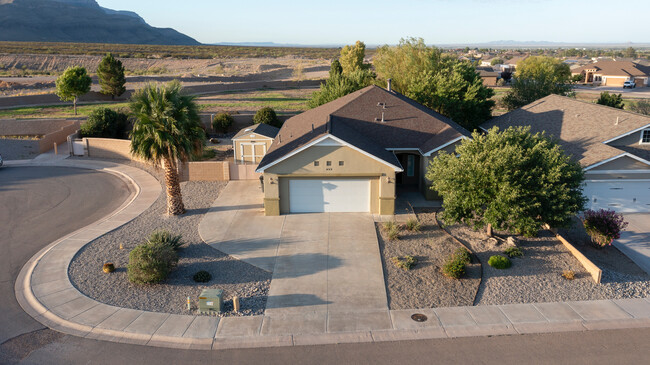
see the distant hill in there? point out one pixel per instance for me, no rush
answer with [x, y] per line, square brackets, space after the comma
[82, 21]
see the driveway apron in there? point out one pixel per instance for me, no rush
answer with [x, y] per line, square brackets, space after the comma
[635, 240]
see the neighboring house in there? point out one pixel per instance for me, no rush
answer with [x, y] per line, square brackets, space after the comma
[488, 76]
[354, 154]
[511, 64]
[611, 144]
[251, 143]
[614, 73]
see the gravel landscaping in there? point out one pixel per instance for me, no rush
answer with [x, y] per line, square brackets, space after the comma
[424, 285]
[235, 277]
[537, 276]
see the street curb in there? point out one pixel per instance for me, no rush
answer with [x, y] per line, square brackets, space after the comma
[202, 332]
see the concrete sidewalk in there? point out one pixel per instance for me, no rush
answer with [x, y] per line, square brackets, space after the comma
[635, 240]
[45, 292]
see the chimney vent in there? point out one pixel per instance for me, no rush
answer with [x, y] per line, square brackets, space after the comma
[616, 121]
[389, 85]
[382, 117]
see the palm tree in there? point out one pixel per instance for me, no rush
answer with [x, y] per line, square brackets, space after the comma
[167, 129]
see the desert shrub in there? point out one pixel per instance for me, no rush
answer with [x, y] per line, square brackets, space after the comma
[501, 82]
[513, 252]
[222, 121]
[454, 267]
[641, 107]
[108, 267]
[462, 254]
[413, 225]
[202, 276]
[266, 115]
[151, 263]
[603, 226]
[499, 262]
[105, 123]
[568, 274]
[166, 238]
[405, 263]
[392, 230]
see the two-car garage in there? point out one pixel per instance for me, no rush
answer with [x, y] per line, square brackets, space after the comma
[329, 195]
[621, 196]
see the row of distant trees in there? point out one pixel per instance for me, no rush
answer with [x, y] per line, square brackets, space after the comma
[75, 81]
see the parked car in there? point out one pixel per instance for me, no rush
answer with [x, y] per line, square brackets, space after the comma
[630, 84]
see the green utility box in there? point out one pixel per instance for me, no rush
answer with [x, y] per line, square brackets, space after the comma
[211, 301]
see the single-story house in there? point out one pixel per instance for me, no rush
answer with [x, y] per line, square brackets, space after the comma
[251, 143]
[612, 145]
[613, 73]
[354, 154]
[488, 75]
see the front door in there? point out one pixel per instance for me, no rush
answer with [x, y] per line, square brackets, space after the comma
[411, 164]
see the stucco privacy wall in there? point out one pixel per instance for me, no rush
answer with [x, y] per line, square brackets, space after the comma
[51, 130]
[355, 165]
[109, 148]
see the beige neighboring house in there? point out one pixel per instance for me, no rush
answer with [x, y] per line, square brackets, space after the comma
[355, 154]
[251, 143]
[611, 144]
[614, 73]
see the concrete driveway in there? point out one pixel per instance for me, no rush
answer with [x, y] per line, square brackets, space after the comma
[327, 271]
[635, 240]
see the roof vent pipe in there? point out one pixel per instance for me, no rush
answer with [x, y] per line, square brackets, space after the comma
[382, 117]
[616, 121]
[389, 85]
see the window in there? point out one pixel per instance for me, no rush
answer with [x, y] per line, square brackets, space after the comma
[328, 163]
[645, 136]
[341, 163]
[316, 163]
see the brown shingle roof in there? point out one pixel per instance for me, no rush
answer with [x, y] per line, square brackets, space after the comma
[580, 127]
[615, 68]
[356, 119]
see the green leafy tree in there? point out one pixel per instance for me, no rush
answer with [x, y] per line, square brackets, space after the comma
[335, 68]
[111, 76]
[511, 180]
[352, 57]
[73, 83]
[442, 83]
[267, 115]
[340, 85]
[496, 61]
[630, 52]
[613, 100]
[578, 78]
[105, 123]
[641, 107]
[537, 77]
[167, 129]
[222, 121]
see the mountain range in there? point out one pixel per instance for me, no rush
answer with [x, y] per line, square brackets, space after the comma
[81, 21]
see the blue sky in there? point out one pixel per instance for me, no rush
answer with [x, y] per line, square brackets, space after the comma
[385, 22]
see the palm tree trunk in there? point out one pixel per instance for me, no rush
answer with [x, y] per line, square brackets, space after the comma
[172, 181]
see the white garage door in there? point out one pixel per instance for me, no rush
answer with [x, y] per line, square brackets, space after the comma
[334, 195]
[621, 196]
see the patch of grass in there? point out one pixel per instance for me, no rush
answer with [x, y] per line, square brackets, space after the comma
[513, 252]
[56, 111]
[30, 137]
[413, 225]
[405, 263]
[392, 230]
[499, 262]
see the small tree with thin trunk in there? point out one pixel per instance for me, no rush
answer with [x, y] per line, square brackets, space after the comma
[73, 83]
[111, 76]
[167, 129]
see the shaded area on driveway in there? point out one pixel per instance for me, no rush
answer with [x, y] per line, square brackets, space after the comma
[635, 240]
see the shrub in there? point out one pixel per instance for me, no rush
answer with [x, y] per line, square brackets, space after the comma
[166, 238]
[405, 263]
[108, 267]
[392, 229]
[105, 123]
[454, 267]
[612, 100]
[568, 274]
[462, 254]
[513, 252]
[603, 226]
[266, 115]
[499, 262]
[222, 121]
[641, 107]
[412, 224]
[202, 276]
[151, 263]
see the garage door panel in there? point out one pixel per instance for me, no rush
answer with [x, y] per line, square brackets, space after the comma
[621, 196]
[315, 196]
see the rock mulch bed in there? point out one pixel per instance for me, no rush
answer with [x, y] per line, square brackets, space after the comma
[537, 276]
[424, 285]
[235, 277]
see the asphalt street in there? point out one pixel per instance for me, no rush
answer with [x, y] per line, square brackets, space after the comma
[38, 205]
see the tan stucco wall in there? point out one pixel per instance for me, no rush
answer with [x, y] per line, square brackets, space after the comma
[356, 165]
[109, 148]
[205, 171]
[246, 140]
[622, 163]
